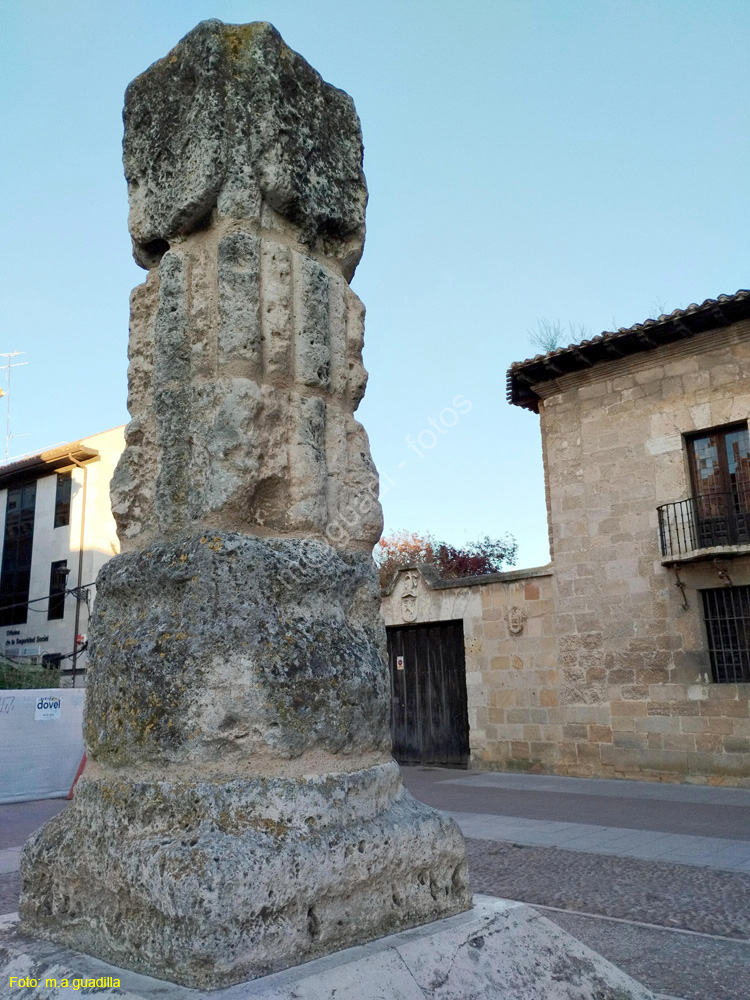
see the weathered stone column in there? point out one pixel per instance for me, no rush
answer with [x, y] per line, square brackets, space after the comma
[240, 811]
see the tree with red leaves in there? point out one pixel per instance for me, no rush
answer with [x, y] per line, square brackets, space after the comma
[452, 562]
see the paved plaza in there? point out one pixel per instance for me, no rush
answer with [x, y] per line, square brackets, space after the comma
[687, 824]
[656, 877]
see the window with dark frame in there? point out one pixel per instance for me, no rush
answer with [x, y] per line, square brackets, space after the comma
[62, 499]
[727, 616]
[17, 545]
[720, 473]
[58, 579]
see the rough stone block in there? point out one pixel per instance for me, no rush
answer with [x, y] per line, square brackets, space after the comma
[719, 764]
[239, 811]
[679, 741]
[262, 123]
[589, 753]
[659, 724]
[198, 890]
[663, 760]
[575, 732]
[719, 725]
[667, 692]
[629, 708]
[696, 724]
[725, 709]
[708, 744]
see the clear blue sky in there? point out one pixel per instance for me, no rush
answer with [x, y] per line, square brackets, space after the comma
[581, 160]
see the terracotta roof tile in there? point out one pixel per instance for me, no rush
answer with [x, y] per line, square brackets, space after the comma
[709, 315]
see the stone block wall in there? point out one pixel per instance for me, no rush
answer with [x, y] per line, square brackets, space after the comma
[510, 651]
[610, 674]
[635, 677]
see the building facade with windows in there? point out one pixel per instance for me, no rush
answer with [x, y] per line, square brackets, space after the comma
[629, 656]
[56, 531]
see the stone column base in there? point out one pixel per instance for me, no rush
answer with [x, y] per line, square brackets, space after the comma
[210, 883]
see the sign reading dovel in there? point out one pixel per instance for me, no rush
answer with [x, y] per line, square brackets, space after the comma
[47, 707]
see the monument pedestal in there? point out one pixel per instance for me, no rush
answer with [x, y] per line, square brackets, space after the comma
[498, 950]
[276, 871]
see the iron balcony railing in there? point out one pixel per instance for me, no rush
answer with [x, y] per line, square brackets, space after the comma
[706, 521]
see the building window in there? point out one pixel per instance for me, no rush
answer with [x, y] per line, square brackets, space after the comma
[727, 614]
[16, 565]
[720, 472]
[62, 499]
[58, 579]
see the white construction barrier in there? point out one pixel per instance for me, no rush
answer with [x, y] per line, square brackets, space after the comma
[41, 742]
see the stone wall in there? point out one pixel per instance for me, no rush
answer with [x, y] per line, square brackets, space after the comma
[610, 675]
[511, 662]
[634, 670]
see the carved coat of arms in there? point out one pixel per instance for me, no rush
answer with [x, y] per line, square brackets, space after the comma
[515, 619]
[409, 595]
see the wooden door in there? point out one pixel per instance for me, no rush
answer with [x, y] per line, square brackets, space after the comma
[429, 718]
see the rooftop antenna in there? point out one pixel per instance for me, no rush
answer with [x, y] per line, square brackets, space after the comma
[8, 366]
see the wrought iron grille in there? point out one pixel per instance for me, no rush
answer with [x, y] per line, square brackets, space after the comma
[727, 614]
[704, 522]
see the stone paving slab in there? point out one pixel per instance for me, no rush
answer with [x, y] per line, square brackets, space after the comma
[654, 790]
[10, 859]
[683, 965]
[19, 819]
[10, 890]
[723, 813]
[701, 899]
[500, 950]
[712, 852]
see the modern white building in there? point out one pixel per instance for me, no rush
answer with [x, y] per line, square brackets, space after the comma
[56, 532]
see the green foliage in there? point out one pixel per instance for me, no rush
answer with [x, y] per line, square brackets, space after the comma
[18, 676]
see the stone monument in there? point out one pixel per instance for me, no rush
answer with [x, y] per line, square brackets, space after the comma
[240, 811]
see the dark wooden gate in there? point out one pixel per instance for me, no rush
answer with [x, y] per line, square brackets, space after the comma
[429, 718]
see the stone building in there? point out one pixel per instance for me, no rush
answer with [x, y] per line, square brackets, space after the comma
[629, 656]
[56, 532]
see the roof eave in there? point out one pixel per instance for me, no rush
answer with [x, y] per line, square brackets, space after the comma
[46, 462]
[711, 315]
